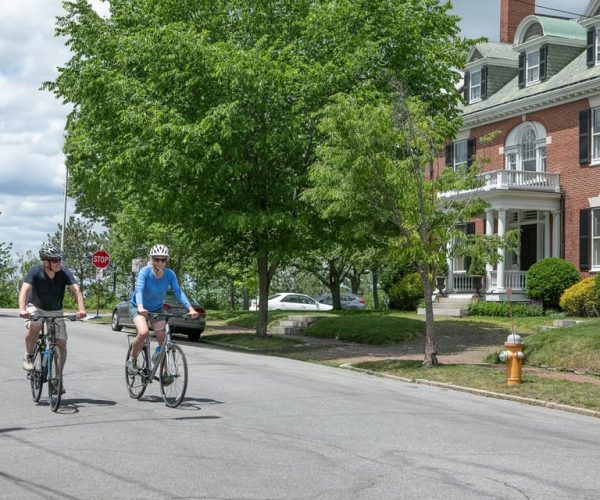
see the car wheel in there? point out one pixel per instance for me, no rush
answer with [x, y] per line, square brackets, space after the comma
[114, 324]
[194, 336]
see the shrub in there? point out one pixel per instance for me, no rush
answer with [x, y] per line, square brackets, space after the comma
[406, 293]
[548, 279]
[502, 309]
[580, 299]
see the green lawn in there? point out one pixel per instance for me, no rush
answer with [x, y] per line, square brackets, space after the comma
[575, 348]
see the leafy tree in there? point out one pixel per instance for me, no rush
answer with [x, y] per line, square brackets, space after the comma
[8, 286]
[376, 156]
[80, 242]
[203, 113]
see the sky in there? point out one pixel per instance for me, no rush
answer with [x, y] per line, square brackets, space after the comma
[32, 170]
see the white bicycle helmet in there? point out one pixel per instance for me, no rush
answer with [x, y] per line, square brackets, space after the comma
[159, 251]
[49, 252]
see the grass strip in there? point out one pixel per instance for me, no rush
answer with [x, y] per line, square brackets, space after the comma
[578, 394]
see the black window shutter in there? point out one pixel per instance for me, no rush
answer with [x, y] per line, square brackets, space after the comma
[584, 136]
[484, 74]
[467, 87]
[450, 155]
[590, 49]
[522, 69]
[470, 151]
[584, 239]
[543, 62]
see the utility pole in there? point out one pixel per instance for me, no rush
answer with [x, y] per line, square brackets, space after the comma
[62, 234]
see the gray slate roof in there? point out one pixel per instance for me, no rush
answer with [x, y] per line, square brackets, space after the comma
[574, 72]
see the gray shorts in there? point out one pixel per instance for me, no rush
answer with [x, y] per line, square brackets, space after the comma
[61, 329]
[133, 311]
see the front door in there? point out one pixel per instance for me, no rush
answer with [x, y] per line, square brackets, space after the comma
[528, 246]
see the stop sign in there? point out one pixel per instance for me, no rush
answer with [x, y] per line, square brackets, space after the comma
[100, 259]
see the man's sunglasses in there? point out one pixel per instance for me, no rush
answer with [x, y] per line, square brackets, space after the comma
[54, 261]
[159, 259]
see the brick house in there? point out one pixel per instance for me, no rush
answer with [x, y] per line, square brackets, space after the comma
[540, 87]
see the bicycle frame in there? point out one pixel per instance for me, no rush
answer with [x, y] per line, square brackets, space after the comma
[47, 347]
[169, 368]
[150, 375]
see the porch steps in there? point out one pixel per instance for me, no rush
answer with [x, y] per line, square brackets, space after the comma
[294, 325]
[562, 323]
[455, 305]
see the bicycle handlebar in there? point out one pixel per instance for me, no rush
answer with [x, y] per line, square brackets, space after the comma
[38, 317]
[155, 316]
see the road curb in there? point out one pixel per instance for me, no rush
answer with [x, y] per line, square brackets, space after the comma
[479, 392]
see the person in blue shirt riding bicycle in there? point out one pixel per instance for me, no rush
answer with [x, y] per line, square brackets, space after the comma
[151, 286]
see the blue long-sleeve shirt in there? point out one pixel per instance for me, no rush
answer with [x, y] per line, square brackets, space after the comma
[150, 291]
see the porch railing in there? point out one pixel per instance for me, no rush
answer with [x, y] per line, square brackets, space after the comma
[515, 280]
[521, 179]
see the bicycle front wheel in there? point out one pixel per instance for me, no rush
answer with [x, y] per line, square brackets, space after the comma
[54, 378]
[136, 383]
[36, 376]
[173, 376]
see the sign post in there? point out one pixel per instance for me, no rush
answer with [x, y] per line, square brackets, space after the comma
[100, 260]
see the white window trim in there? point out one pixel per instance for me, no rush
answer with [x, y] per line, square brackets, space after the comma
[462, 164]
[473, 87]
[594, 237]
[515, 150]
[597, 47]
[529, 82]
[594, 135]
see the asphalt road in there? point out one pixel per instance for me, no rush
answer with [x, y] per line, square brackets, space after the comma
[260, 427]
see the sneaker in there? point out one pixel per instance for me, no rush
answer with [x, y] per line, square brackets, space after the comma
[28, 362]
[166, 379]
[132, 368]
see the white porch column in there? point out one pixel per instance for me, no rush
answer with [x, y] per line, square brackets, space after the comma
[547, 247]
[556, 233]
[501, 251]
[450, 262]
[489, 231]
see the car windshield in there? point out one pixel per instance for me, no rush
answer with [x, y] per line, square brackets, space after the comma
[274, 296]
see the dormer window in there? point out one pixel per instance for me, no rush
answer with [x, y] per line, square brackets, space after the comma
[475, 90]
[593, 46]
[475, 85]
[533, 67]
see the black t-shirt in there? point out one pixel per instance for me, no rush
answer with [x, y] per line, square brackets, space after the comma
[46, 293]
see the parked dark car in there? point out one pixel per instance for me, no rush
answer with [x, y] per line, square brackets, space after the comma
[190, 327]
[349, 301]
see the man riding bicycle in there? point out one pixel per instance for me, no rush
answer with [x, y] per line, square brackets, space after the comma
[42, 293]
[151, 286]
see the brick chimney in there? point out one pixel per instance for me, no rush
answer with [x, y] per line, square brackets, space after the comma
[512, 12]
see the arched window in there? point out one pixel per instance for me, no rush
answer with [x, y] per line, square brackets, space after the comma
[528, 151]
[525, 148]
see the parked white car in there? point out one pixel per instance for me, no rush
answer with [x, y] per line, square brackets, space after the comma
[292, 302]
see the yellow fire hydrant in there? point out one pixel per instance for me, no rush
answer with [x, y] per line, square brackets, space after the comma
[513, 357]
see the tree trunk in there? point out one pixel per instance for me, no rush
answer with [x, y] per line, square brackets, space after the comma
[245, 299]
[334, 286]
[375, 276]
[263, 293]
[354, 282]
[430, 347]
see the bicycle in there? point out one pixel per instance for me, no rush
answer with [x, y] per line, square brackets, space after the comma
[47, 361]
[171, 362]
